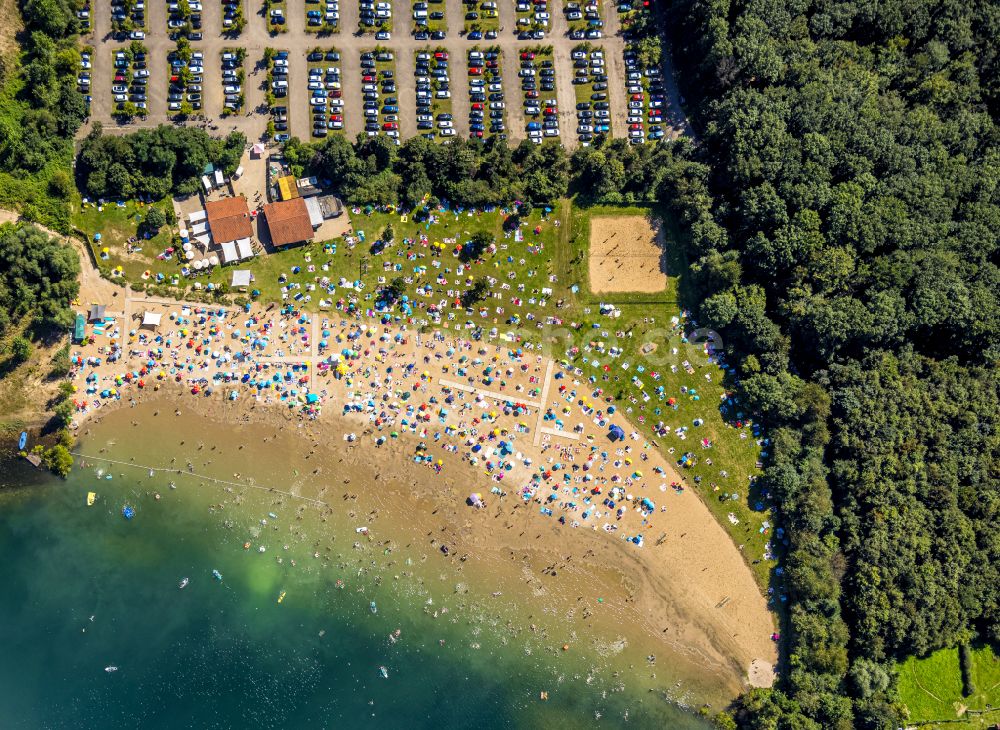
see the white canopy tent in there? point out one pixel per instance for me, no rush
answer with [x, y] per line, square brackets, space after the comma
[229, 252]
[198, 216]
[151, 319]
[241, 278]
[206, 183]
[245, 249]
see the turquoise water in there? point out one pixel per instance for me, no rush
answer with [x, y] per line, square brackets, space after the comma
[85, 589]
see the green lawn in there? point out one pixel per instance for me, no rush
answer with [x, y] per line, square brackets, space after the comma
[116, 226]
[554, 258]
[931, 689]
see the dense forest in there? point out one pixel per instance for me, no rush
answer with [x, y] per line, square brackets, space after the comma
[373, 170]
[40, 111]
[846, 245]
[38, 280]
[152, 163]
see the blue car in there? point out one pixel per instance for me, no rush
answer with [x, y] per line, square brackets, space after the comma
[475, 35]
[533, 126]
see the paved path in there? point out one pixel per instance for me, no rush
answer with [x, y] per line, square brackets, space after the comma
[255, 39]
[503, 397]
[545, 401]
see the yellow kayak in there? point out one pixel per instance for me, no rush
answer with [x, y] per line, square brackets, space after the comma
[281, 597]
[91, 496]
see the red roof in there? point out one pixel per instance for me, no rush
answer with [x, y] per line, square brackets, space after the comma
[288, 221]
[229, 219]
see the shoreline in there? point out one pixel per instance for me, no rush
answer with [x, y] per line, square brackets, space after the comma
[715, 610]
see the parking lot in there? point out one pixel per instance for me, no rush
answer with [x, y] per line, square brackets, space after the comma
[201, 87]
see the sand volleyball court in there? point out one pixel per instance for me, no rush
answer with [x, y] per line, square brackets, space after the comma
[626, 254]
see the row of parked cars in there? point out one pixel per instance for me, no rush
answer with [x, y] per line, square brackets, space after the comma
[131, 78]
[136, 15]
[433, 89]
[376, 14]
[637, 90]
[485, 89]
[538, 77]
[593, 115]
[329, 16]
[534, 20]
[232, 85]
[374, 85]
[279, 90]
[185, 87]
[178, 22]
[326, 102]
[589, 14]
[477, 11]
[423, 14]
[83, 79]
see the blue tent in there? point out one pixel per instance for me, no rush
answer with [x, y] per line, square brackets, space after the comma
[616, 433]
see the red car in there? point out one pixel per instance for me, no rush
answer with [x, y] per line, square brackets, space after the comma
[477, 106]
[336, 118]
[530, 94]
[390, 125]
[635, 126]
[476, 135]
[636, 97]
[527, 56]
[475, 71]
[368, 79]
[441, 55]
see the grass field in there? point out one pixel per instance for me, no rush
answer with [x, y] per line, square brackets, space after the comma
[652, 384]
[931, 689]
[116, 226]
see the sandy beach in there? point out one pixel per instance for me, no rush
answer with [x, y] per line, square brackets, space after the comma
[511, 456]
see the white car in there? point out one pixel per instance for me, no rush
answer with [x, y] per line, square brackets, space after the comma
[230, 89]
[137, 35]
[174, 106]
[447, 132]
